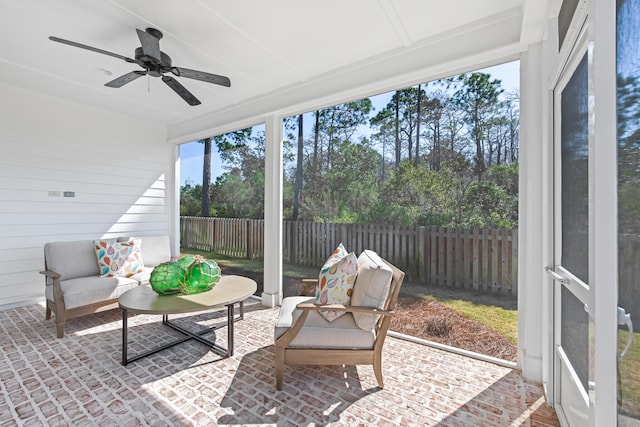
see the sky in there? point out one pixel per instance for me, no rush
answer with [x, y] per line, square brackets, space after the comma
[191, 154]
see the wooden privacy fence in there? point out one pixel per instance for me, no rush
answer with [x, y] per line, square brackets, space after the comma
[235, 237]
[485, 260]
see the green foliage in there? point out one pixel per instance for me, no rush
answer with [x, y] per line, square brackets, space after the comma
[486, 205]
[229, 142]
[449, 161]
[628, 154]
[477, 97]
[239, 193]
[191, 200]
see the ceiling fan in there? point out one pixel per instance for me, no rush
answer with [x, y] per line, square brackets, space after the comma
[154, 63]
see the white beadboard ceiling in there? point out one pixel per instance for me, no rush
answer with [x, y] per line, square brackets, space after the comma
[277, 53]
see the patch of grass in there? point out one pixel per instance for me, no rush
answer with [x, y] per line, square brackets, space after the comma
[505, 322]
[497, 312]
[629, 375]
[255, 265]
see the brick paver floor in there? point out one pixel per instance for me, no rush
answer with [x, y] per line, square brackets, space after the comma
[78, 380]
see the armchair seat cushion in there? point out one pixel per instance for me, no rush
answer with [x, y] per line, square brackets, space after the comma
[88, 290]
[317, 332]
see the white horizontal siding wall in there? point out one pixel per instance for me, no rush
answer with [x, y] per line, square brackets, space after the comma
[120, 169]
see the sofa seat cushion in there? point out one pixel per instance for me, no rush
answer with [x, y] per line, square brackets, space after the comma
[88, 290]
[317, 332]
[143, 276]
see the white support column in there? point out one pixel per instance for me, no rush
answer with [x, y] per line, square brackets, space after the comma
[175, 232]
[531, 318]
[272, 294]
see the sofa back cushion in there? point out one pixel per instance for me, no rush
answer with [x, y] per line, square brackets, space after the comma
[71, 259]
[155, 249]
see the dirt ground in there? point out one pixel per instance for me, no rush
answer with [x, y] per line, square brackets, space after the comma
[430, 320]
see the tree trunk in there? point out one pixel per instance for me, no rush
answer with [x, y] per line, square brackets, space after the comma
[316, 136]
[206, 178]
[436, 145]
[397, 128]
[297, 186]
[478, 140]
[418, 119]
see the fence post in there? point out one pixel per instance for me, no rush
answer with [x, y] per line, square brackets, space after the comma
[495, 277]
[485, 277]
[248, 237]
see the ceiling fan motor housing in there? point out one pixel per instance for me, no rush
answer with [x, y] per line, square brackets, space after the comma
[155, 68]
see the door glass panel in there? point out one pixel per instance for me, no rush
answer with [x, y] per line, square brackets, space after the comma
[628, 95]
[575, 174]
[575, 334]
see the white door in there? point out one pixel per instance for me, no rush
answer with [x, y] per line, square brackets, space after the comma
[585, 221]
[571, 240]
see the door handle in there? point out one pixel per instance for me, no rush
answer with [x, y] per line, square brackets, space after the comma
[558, 278]
[625, 318]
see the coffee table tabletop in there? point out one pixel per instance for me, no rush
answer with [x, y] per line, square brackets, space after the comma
[229, 290]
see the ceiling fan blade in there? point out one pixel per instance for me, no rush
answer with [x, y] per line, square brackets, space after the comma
[150, 45]
[123, 80]
[93, 49]
[201, 75]
[180, 90]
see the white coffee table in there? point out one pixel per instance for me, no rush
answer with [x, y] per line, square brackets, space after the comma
[144, 300]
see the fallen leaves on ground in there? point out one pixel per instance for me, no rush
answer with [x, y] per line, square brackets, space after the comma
[431, 320]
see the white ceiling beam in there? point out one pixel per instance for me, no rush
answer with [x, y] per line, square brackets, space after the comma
[535, 14]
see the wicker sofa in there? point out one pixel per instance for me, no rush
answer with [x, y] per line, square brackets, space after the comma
[75, 286]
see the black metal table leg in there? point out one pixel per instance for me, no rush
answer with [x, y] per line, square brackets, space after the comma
[230, 322]
[124, 336]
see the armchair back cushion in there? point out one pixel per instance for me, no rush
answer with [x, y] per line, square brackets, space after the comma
[371, 288]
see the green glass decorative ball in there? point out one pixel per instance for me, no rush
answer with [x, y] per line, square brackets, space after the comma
[190, 274]
[167, 278]
[186, 260]
[202, 275]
